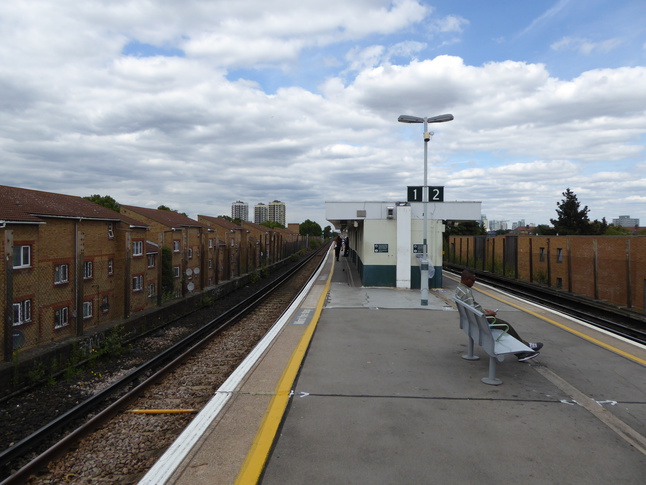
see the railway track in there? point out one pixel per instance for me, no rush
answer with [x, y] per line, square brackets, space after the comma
[619, 321]
[167, 390]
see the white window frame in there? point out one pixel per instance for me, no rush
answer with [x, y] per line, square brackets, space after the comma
[137, 283]
[87, 309]
[21, 312]
[23, 255]
[63, 317]
[110, 230]
[151, 290]
[110, 266]
[176, 271]
[87, 270]
[190, 253]
[59, 277]
[137, 248]
[151, 260]
[176, 246]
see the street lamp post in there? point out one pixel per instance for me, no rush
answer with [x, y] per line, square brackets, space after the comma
[427, 137]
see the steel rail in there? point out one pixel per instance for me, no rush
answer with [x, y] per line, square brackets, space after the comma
[622, 322]
[161, 364]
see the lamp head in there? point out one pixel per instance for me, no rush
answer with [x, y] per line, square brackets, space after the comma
[410, 119]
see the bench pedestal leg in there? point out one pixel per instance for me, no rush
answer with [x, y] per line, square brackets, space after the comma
[492, 380]
[470, 355]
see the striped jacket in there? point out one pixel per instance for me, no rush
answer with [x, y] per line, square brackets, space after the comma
[463, 293]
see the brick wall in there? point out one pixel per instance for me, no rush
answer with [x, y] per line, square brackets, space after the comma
[610, 268]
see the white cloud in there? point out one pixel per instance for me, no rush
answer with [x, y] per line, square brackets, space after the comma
[77, 116]
[585, 46]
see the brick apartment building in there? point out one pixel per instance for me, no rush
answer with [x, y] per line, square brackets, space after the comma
[72, 265]
[69, 264]
[190, 243]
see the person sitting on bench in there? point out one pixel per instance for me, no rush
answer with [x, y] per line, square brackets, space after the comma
[463, 293]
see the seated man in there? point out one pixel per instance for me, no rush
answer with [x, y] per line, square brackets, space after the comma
[463, 293]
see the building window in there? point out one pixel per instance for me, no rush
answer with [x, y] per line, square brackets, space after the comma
[22, 312]
[61, 274]
[176, 271]
[110, 266]
[190, 253]
[105, 306]
[541, 256]
[137, 283]
[559, 282]
[21, 256]
[87, 270]
[111, 230]
[61, 317]
[210, 243]
[210, 263]
[151, 290]
[137, 248]
[151, 260]
[87, 309]
[559, 255]
[176, 246]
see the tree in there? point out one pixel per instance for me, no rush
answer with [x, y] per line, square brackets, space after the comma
[105, 201]
[327, 232]
[272, 224]
[571, 219]
[617, 231]
[166, 208]
[466, 228]
[544, 230]
[575, 221]
[309, 228]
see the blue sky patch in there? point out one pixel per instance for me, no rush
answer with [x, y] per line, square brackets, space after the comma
[139, 49]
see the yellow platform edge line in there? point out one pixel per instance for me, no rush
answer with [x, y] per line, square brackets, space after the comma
[255, 461]
[609, 347]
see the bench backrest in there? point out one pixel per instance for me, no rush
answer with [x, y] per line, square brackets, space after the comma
[475, 324]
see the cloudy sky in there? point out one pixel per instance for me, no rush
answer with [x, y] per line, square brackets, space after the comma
[199, 103]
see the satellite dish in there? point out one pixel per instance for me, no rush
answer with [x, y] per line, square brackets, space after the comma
[189, 271]
[190, 287]
[196, 271]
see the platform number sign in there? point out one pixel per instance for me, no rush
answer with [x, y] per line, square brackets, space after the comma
[435, 194]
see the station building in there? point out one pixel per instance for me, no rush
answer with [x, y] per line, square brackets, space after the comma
[386, 238]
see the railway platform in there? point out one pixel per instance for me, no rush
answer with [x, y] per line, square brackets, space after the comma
[363, 385]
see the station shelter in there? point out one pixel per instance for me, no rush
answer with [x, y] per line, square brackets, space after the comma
[386, 238]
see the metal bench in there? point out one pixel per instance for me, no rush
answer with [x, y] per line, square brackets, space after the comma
[495, 340]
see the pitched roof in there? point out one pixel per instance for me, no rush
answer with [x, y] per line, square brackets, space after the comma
[222, 222]
[32, 206]
[165, 217]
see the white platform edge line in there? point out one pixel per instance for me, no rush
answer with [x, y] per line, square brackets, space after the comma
[166, 465]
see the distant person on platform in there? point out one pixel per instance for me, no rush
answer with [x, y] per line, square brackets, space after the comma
[337, 247]
[463, 293]
[346, 246]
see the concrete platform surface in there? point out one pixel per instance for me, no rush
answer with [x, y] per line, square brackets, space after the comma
[384, 397]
